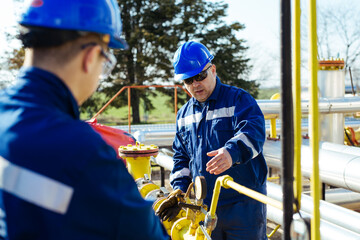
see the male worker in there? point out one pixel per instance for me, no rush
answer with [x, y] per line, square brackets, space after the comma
[59, 179]
[219, 131]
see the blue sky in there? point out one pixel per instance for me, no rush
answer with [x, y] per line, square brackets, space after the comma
[262, 32]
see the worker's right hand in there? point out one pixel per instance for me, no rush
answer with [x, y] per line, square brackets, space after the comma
[170, 208]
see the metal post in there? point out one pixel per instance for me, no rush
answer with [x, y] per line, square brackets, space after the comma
[175, 96]
[297, 105]
[287, 118]
[129, 107]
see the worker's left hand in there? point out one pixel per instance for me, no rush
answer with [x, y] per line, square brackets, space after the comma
[170, 208]
[221, 161]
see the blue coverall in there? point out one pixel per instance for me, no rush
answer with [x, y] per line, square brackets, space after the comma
[232, 119]
[59, 179]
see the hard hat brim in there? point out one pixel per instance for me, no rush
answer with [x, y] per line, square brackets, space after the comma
[118, 43]
[183, 76]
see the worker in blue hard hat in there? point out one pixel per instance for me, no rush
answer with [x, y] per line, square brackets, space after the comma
[59, 179]
[219, 131]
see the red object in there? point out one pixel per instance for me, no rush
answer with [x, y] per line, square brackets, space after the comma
[112, 136]
[37, 3]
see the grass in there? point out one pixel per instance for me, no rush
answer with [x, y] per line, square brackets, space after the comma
[163, 112]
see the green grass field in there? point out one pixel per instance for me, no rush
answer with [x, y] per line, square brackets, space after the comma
[163, 112]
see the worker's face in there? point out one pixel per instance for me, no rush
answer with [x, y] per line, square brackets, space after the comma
[93, 63]
[201, 90]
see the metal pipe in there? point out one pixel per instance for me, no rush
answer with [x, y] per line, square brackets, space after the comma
[163, 160]
[314, 123]
[287, 134]
[336, 168]
[297, 104]
[329, 212]
[328, 231]
[326, 105]
[253, 194]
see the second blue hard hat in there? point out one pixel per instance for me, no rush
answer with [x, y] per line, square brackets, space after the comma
[190, 59]
[98, 16]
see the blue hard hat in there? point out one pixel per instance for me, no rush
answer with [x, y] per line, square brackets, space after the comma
[190, 59]
[98, 16]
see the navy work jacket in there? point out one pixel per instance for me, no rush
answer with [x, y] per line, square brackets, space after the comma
[59, 179]
[230, 118]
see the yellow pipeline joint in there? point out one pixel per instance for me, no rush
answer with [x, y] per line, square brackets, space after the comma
[273, 134]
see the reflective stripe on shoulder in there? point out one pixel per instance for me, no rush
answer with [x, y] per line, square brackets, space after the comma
[185, 172]
[220, 113]
[34, 188]
[247, 142]
[193, 118]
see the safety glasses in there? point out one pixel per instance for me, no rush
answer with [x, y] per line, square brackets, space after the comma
[200, 77]
[110, 62]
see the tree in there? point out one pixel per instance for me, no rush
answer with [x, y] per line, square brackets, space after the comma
[155, 28]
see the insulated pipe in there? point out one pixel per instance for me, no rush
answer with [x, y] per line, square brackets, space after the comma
[326, 105]
[336, 168]
[163, 160]
[286, 117]
[329, 212]
[328, 231]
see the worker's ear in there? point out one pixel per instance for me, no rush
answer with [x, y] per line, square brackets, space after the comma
[91, 58]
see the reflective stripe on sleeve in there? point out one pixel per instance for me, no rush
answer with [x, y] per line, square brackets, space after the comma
[34, 188]
[185, 172]
[193, 118]
[247, 142]
[220, 113]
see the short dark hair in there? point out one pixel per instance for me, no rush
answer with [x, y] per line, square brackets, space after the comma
[40, 37]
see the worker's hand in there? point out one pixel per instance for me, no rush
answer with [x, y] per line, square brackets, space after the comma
[221, 161]
[170, 208]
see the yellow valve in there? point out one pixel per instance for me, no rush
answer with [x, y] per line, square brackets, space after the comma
[139, 166]
[138, 158]
[179, 230]
[168, 224]
[145, 189]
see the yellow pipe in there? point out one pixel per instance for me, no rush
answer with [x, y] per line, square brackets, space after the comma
[314, 110]
[273, 120]
[273, 231]
[253, 194]
[138, 166]
[297, 105]
[216, 193]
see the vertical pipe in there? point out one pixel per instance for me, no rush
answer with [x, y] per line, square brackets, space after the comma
[314, 111]
[297, 104]
[273, 120]
[175, 96]
[129, 108]
[287, 117]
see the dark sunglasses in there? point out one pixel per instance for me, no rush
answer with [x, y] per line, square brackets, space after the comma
[201, 76]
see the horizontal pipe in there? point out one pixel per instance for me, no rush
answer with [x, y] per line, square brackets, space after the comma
[253, 194]
[329, 212]
[326, 105]
[328, 231]
[337, 169]
[163, 160]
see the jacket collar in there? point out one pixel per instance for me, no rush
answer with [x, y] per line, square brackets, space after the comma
[49, 90]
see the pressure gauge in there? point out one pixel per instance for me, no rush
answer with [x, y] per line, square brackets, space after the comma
[200, 187]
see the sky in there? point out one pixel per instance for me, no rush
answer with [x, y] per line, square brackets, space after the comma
[262, 31]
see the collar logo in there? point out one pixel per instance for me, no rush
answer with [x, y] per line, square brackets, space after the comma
[37, 3]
